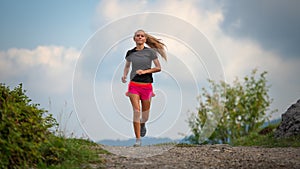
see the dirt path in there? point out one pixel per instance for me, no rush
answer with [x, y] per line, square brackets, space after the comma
[205, 156]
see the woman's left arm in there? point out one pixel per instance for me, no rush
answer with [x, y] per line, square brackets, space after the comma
[155, 69]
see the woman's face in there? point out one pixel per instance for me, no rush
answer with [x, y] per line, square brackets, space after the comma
[140, 37]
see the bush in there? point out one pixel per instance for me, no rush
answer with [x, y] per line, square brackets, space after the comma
[240, 108]
[24, 128]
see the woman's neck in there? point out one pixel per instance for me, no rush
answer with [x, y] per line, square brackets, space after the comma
[139, 47]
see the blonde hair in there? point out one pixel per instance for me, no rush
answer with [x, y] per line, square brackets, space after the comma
[154, 43]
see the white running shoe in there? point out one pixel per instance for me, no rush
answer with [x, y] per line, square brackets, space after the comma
[137, 143]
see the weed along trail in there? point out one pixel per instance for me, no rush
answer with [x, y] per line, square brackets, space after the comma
[204, 156]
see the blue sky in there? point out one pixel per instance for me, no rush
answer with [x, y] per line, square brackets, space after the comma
[41, 42]
[33, 23]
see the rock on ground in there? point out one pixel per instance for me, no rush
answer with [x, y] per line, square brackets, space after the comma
[290, 123]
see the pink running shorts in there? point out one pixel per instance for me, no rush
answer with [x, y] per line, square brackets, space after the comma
[144, 90]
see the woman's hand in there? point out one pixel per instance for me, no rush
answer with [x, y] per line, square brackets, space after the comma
[124, 79]
[126, 70]
[140, 72]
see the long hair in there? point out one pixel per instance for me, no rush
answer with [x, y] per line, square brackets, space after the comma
[155, 43]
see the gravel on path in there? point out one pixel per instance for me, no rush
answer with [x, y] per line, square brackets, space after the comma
[204, 156]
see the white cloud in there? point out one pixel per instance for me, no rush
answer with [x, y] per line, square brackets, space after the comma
[109, 10]
[46, 73]
[45, 69]
[207, 21]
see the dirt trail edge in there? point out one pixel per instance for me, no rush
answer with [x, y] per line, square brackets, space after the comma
[204, 156]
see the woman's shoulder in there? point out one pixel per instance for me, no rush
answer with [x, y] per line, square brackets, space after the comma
[150, 50]
[130, 51]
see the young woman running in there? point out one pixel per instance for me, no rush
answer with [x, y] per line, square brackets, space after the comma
[140, 90]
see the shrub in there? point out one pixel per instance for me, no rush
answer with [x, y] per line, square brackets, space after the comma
[24, 128]
[240, 108]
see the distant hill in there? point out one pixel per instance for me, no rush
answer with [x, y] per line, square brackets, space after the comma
[275, 121]
[130, 142]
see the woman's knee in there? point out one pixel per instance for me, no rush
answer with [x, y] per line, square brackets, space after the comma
[145, 116]
[136, 115]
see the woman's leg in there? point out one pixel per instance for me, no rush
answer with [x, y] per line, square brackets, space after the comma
[145, 110]
[145, 115]
[135, 102]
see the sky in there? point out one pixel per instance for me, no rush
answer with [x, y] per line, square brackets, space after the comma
[69, 56]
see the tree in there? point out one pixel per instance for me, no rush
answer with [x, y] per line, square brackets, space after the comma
[228, 112]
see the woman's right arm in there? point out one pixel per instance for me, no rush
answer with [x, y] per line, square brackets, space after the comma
[126, 70]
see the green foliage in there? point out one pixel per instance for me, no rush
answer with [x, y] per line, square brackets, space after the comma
[26, 140]
[237, 109]
[23, 127]
[266, 140]
[60, 152]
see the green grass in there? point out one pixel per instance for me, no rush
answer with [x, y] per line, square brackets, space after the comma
[267, 139]
[60, 153]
